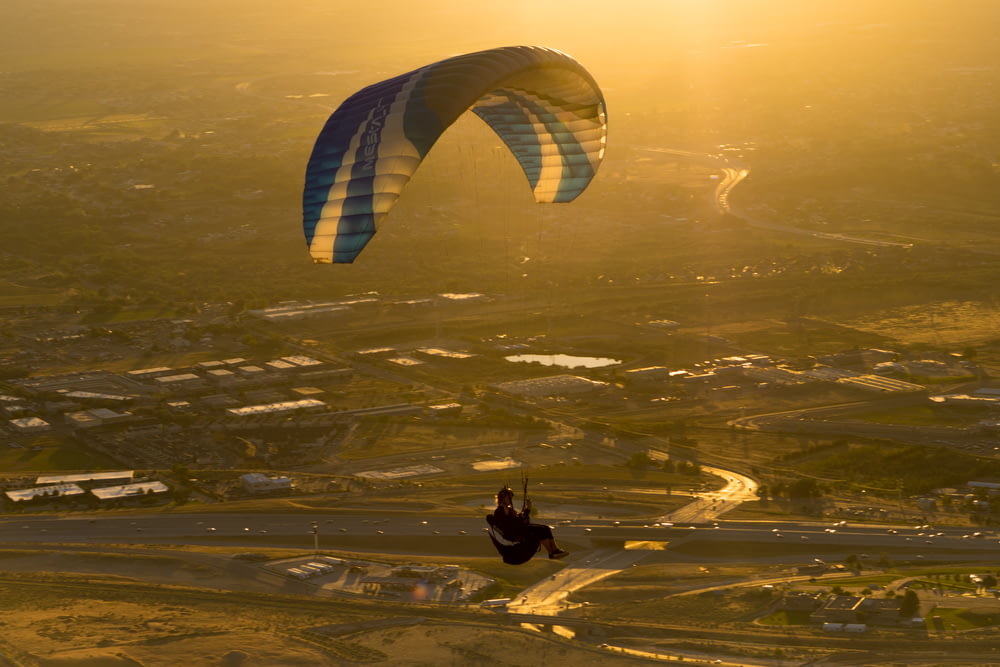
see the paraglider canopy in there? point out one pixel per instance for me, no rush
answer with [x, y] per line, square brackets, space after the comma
[544, 105]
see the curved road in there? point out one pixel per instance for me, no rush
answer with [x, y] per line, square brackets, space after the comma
[549, 596]
[708, 506]
[732, 175]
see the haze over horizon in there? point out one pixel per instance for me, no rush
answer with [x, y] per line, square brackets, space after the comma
[861, 95]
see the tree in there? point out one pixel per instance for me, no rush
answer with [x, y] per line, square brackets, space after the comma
[910, 604]
[181, 495]
[689, 468]
[639, 460]
[804, 489]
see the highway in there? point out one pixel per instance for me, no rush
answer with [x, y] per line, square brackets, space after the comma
[263, 530]
[248, 530]
[601, 547]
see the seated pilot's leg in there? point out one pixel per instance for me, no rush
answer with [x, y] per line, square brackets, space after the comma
[544, 535]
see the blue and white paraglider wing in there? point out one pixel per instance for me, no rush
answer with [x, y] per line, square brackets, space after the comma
[547, 109]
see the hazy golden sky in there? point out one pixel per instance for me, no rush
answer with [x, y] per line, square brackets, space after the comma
[708, 62]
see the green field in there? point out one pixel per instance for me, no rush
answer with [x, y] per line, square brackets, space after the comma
[53, 455]
[958, 619]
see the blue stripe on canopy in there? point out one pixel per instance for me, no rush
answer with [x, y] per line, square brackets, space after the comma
[547, 109]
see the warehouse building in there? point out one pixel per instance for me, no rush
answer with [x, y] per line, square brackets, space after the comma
[138, 489]
[256, 482]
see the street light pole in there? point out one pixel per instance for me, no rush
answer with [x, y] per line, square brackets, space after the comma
[315, 532]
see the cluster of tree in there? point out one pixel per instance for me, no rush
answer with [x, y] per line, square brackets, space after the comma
[500, 417]
[854, 562]
[804, 488]
[907, 469]
[811, 451]
[682, 467]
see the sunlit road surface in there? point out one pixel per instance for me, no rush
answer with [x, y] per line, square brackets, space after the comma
[548, 596]
[730, 179]
[690, 657]
[733, 174]
[708, 506]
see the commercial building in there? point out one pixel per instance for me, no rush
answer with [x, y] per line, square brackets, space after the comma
[310, 404]
[97, 417]
[52, 490]
[138, 489]
[256, 482]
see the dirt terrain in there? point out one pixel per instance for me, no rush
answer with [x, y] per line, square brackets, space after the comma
[100, 609]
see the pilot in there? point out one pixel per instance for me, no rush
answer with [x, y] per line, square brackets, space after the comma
[513, 534]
